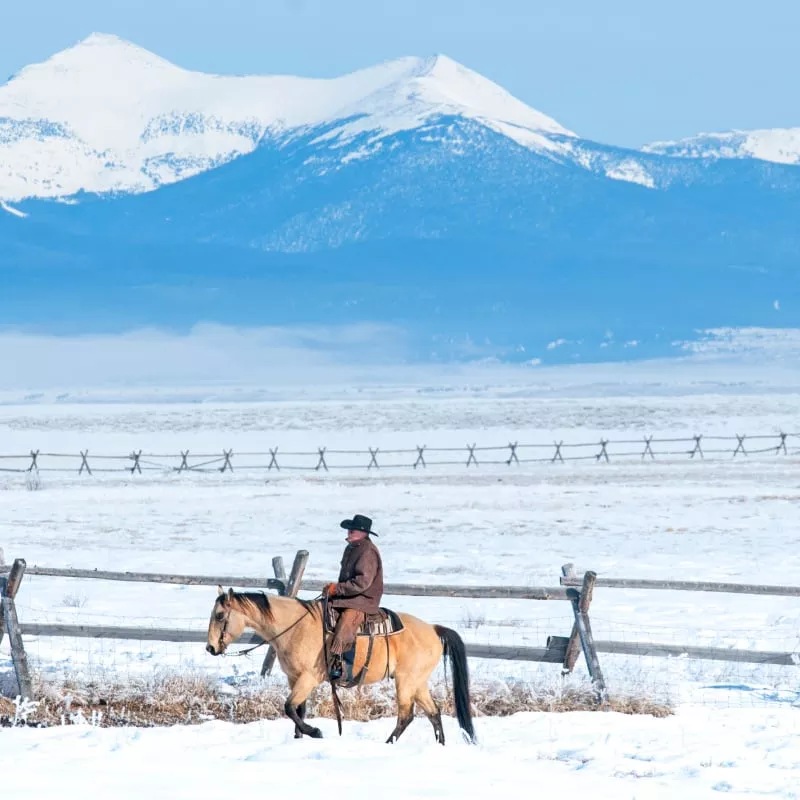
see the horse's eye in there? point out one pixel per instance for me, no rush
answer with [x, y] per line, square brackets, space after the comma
[220, 616]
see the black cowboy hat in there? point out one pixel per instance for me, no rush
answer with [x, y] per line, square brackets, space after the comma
[358, 523]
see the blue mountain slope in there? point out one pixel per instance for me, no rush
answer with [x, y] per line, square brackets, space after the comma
[451, 230]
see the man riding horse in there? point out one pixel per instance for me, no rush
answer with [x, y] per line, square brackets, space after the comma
[296, 630]
[357, 593]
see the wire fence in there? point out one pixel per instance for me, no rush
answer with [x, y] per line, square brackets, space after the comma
[729, 683]
[418, 457]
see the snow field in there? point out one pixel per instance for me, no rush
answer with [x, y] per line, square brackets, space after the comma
[736, 724]
[695, 754]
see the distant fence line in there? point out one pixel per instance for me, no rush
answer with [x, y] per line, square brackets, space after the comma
[419, 457]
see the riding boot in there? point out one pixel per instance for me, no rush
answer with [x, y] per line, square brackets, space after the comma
[335, 667]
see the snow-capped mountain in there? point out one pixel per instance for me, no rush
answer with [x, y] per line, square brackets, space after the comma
[779, 145]
[106, 115]
[416, 193]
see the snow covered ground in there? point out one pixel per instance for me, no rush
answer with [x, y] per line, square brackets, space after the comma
[719, 519]
[696, 754]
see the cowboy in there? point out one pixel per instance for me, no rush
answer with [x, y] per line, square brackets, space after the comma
[358, 591]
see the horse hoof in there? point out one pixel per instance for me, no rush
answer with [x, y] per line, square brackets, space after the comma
[316, 733]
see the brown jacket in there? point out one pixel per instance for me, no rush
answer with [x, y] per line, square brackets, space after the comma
[360, 582]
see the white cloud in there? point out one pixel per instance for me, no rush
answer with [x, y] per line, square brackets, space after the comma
[213, 362]
[206, 354]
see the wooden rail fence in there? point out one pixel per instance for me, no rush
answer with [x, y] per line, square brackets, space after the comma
[418, 457]
[564, 650]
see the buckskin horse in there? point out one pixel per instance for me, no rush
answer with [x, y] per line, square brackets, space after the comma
[295, 629]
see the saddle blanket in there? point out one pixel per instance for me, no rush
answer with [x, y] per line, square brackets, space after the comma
[386, 623]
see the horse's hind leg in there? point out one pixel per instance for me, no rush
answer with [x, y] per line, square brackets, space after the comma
[432, 712]
[296, 701]
[405, 713]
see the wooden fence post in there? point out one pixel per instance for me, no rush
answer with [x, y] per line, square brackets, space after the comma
[9, 587]
[574, 643]
[8, 590]
[279, 570]
[580, 607]
[292, 586]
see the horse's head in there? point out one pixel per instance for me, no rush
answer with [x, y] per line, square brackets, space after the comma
[226, 624]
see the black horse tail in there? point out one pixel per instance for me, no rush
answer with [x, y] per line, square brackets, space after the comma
[454, 648]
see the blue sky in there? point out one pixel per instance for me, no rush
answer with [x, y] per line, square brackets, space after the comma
[620, 71]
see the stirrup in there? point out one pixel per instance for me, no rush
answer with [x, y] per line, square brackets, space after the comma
[335, 669]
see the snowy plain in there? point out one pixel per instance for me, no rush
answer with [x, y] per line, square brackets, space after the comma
[698, 753]
[736, 725]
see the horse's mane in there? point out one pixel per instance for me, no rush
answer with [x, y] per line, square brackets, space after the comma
[261, 601]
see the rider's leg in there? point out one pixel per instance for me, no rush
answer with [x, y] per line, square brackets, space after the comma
[344, 636]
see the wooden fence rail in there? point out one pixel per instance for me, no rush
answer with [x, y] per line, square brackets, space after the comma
[152, 577]
[569, 578]
[554, 653]
[398, 589]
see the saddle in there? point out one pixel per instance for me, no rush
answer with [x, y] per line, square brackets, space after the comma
[384, 624]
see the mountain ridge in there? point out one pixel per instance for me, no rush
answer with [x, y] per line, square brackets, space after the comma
[109, 116]
[483, 230]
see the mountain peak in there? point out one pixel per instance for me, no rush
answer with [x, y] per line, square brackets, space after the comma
[106, 114]
[102, 51]
[424, 87]
[779, 145]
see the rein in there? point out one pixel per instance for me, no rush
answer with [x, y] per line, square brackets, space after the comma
[337, 703]
[260, 644]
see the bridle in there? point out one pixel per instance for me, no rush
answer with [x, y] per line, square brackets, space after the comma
[221, 642]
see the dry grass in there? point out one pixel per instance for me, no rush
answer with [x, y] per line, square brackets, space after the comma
[192, 699]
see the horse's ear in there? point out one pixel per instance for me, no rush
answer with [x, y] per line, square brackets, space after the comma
[230, 594]
[220, 591]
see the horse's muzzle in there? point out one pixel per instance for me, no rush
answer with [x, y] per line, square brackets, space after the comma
[211, 649]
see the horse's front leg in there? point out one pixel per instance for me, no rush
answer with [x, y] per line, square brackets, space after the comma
[301, 712]
[295, 706]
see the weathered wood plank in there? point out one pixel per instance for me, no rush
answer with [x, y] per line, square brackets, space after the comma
[557, 648]
[2, 616]
[573, 649]
[497, 652]
[279, 569]
[291, 587]
[688, 586]
[296, 575]
[9, 587]
[553, 654]
[153, 577]
[480, 592]
[128, 632]
[18, 656]
[413, 590]
[580, 605]
[654, 650]
[15, 575]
